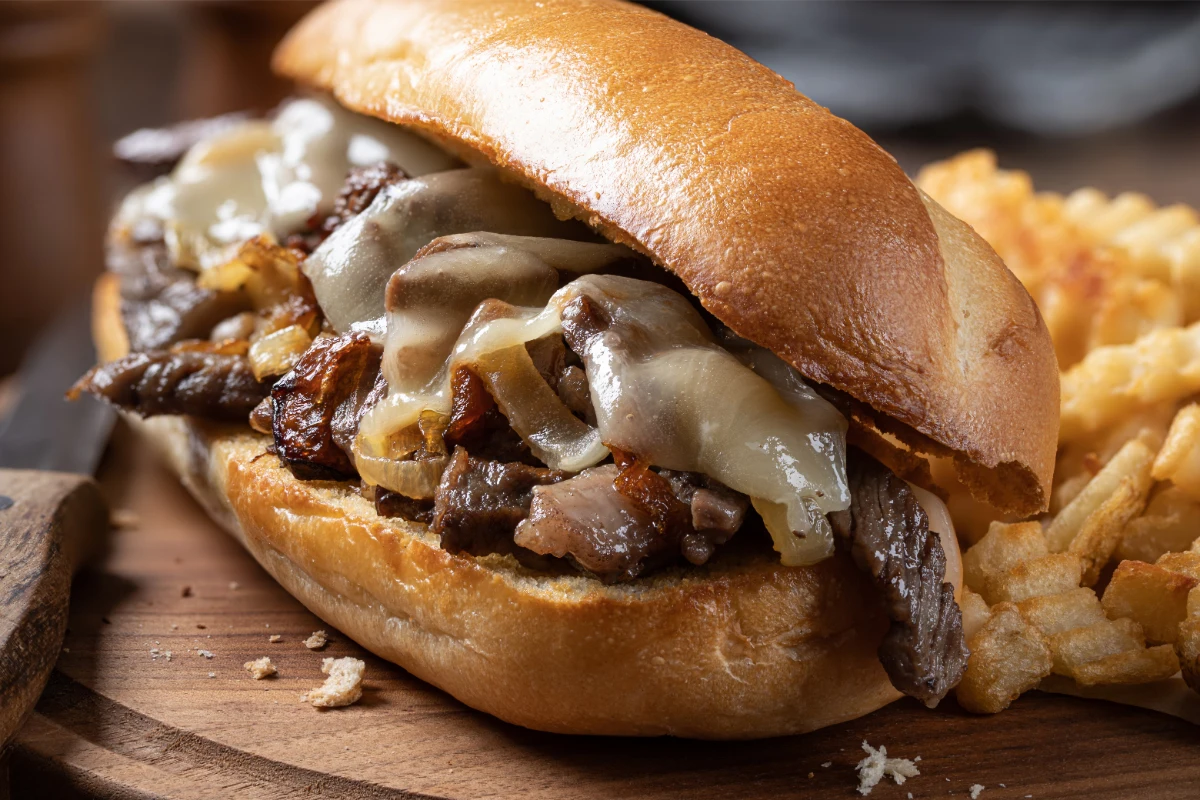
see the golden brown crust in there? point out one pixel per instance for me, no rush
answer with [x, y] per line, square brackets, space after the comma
[745, 648]
[788, 223]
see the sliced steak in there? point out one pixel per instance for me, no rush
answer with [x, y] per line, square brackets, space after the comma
[306, 400]
[479, 503]
[216, 386]
[162, 305]
[717, 512]
[598, 528]
[888, 534]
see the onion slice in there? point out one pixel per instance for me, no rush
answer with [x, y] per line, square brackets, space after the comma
[534, 410]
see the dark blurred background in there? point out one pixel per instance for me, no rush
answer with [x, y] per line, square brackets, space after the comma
[1103, 94]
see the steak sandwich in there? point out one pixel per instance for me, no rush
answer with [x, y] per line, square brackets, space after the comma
[573, 361]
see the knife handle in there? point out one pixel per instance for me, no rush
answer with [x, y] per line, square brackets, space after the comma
[48, 522]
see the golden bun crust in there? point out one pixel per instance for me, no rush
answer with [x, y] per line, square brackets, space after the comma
[790, 224]
[745, 648]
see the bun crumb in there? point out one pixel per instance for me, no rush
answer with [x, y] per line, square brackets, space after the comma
[341, 688]
[873, 768]
[261, 668]
[316, 640]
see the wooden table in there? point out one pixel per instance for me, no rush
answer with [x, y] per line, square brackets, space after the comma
[117, 722]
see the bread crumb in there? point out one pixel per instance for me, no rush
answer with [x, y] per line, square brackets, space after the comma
[811, 774]
[205, 653]
[174, 626]
[827, 764]
[274, 637]
[234, 586]
[125, 518]
[186, 591]
[317, 640]
[212, 674]
[341, 688]
[260, 668]
[976, 790]
[876, 766]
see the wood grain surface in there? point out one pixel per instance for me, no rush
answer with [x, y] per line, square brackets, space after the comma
[47, 521]
[116, 721]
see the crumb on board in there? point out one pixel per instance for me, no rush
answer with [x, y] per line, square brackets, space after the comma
[186, 591]
[156, 652]
[317, 640]
[976, 790]
[174, 626]
[205, 653]
[877, 765]
[234, 586]
[212, 674]
[260, 668]
[200, 626]
[125, 518]
[341, 688]
[274, 637]
[827, 764]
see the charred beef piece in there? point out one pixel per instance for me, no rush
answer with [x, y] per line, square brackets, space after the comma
[360, 189]
[477, 425]
[216, 386]
[618, 522]
[717, 512]
[162, 305]
[394, 504]
[479, 503]
[151, 152]
[306, 400]
[370, 389]
[888, 533]
[599, 529]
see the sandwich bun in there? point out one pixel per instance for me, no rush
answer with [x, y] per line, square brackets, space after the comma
[743, 647]
[789, 225]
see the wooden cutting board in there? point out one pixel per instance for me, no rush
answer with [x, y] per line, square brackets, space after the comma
[121, 718]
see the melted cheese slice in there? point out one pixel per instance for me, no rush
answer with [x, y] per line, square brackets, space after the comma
[270, 177]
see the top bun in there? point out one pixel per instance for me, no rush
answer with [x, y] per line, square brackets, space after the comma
[789, 224]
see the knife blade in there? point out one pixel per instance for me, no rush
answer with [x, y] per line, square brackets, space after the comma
[51, 511]
[44, 430]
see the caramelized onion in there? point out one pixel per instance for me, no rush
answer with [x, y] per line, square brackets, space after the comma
[553, 433]
[417, 479]
[278, 352]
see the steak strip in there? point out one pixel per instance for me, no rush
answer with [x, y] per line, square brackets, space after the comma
[888, 534]
[305, 404]
[217, 386]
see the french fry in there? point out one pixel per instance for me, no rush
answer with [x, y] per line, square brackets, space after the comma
[1008, 657]
[1074, 648]
[975, 613]
[1187, 650]
[1132, 666]
[1169, 524]
[1187, 563]
[1150, 595]
[1098, 539]
[1161, 367]
[1179, 459]
[1094, 506]
[1057, 613]
[1052, 574]
[1002, 548]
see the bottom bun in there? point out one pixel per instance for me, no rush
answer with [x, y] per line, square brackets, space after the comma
[740, 648]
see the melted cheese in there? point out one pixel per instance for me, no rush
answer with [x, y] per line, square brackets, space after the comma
[351, 268]
[270, 177]
[662, 387]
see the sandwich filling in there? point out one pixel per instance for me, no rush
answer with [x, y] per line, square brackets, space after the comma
[437, 335]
